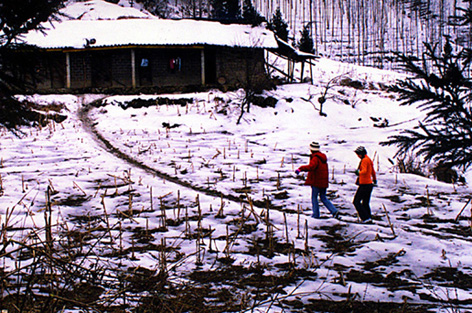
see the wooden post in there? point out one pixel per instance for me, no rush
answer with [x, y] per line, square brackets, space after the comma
[68, 73]
[133, 68]
[202, 56]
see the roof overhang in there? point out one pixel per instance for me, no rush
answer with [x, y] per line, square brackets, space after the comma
[79, 35]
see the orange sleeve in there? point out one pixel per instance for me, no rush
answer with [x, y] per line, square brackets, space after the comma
[366, 171]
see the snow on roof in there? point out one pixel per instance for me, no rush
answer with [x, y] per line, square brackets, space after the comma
[112, 25]
[100, 10]
[106, 33]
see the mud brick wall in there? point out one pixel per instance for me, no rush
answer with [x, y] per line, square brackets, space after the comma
[121, 68]
[80, 70]
[188, 72]
[237, 66]
[51, 71]
[102, 69]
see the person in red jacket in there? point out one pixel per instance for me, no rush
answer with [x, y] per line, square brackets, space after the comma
[317, 178]
[366, 180]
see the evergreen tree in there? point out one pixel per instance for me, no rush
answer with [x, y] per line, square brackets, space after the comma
[225, 10]
[233, 10]
[305, 43]
[279, 26]
[17, 17]
[250, 14]
[159, 8]
[443, 90]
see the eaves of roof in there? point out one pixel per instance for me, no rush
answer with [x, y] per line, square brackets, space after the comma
[77, 34]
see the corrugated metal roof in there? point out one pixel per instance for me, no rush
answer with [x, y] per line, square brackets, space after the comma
[79, 34]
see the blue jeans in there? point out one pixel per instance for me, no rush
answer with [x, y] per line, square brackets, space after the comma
[315, 191]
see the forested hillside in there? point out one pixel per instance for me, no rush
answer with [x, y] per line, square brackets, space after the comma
[356, 31]
[362, 31]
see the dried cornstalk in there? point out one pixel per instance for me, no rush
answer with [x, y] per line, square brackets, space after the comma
[78, 187]
[306, 237]
[178, 205]
[227, 248]
[48, 218]
[428, 202]
[229, 244]
[107, 221]
[220, 213]
[463, 208]
[286, 228]
[199, 223]
[257, 217]
[388, 219]
[187, 226]
[163, 256]
[209, 236]
[267, 224]
[163, 214]
[298, 221]
[198, 260]
[150, 198]
[23, 184]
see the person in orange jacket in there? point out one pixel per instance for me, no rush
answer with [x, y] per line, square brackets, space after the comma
[366, 180]
[317, 178]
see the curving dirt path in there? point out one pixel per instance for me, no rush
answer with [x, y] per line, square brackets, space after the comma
[90, 128]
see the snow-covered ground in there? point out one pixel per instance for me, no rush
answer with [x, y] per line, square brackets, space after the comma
[124, 169]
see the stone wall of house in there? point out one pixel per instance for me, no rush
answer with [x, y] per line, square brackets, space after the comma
[80, 70]
[241, 68]
[51, 71]
[100, 69]
[173, 67]
[38, 70]
[165, 68]
[121, 70]
[112, 68]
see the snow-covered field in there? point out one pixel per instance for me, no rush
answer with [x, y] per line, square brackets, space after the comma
[202, 188]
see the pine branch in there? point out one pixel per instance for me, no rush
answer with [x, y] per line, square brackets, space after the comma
[444, 92]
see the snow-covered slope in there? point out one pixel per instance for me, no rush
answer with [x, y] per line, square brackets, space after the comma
[200, 170]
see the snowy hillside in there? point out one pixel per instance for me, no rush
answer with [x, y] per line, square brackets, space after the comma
[180, 189]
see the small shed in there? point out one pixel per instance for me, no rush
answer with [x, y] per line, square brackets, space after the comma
[149, 53]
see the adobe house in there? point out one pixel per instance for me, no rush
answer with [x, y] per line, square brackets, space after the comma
[133, 54]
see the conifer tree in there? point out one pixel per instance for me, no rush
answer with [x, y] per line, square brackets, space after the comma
[159, 8]
[279, 26]
[305, 43]
[17, 17]
[250, 14]
[441, 87]
[225, 10]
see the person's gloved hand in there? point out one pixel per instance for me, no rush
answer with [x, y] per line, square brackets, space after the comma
[375, 182]
[357, 172]
[297, 171]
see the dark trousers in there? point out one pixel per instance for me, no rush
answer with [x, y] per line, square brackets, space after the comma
[361, 201]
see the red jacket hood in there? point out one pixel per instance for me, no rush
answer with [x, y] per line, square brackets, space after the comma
[321, 156]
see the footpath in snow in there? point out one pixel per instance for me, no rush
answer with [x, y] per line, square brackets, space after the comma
[183, 175]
